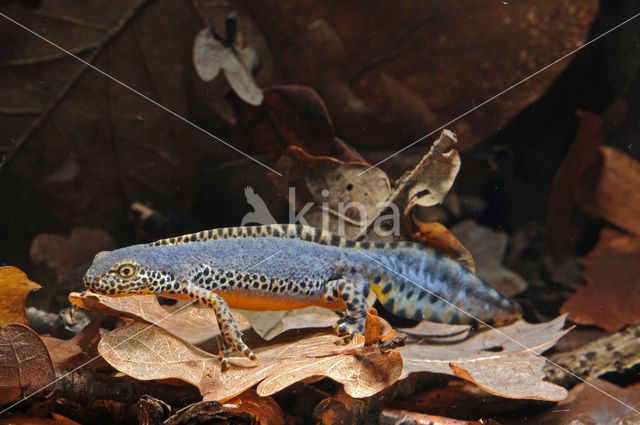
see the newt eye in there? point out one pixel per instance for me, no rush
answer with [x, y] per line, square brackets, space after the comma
[126, 270]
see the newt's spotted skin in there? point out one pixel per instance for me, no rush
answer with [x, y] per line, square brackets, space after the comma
[284, 267]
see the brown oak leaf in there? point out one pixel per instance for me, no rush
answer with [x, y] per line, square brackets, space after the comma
[14, 288]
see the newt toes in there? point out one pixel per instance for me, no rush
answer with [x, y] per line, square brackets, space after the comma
[304, 266]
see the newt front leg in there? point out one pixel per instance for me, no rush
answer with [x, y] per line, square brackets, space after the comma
[231, 335]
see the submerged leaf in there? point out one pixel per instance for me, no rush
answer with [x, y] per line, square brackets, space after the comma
[611, 296]
[25, 365]
[428, 183]
[14, 288]
[149, 352]
[488, 247]
[210, 55]
[505, 361]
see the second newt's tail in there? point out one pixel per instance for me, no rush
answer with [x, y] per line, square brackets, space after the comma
[423, 284]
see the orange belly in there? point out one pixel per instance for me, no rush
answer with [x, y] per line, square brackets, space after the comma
[256, 302]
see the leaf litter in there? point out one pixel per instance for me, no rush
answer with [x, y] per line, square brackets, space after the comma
[14, 288]
[488, 358]
[211, 53]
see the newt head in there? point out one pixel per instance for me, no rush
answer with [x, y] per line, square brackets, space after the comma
[118, 273]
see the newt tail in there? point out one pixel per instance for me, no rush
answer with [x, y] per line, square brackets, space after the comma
[283, 267]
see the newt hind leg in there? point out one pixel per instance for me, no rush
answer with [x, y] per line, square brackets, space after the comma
[231, 335]
[353, 297]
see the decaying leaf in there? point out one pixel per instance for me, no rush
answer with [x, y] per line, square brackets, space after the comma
[194, 324]
[56, 419]
[74, 352]
[489, 358]
[611, 296]
[388, 415]
[337, 190]
[14, 288]
[615, 195]
[248, 407]
[437, 236]
[562, 233]
[211, 54]
[428, 183]
[25, 365]
[149, 352]
[347, 50]
[503, 361]
[488, 248]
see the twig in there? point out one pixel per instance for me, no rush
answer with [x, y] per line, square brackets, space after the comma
[50, 57]
[613, 353]
[86, 385]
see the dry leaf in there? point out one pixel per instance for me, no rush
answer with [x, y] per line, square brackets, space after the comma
[14, 288]
[56, 419]
[428, 183]
[591, 406]
[74, 352]
[562, 234]
[611, 296]
[493, 360]
[25, 365]
[488, 248]
[310, 317]
[149, 352]
[437, 236]
[210, 55]
[195, 324]
[615, 195]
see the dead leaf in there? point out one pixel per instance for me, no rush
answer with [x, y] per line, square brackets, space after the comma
[335, 188]
[594, 406]
[429, 182]
[262, 410]
[347, 51]
[562, 233]
[437, 236]
[426, 184]
[77, 351]
[14, 288]
[66, 254]
[56, 419]
[194, 324]
[248, 407]
[615, 195]
[138, 42]
[438, 332]
[300, 118]
[149, 352]
[389, 415]
[611, 296]
[310, 317]
[494, 360]
[211, 54]
[25, 365]
[488, 248]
